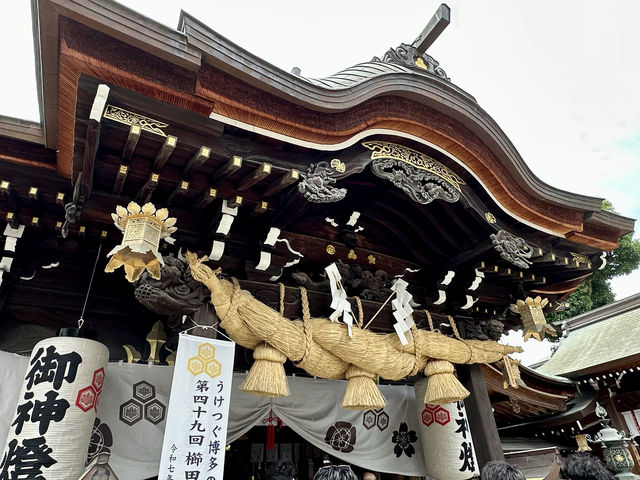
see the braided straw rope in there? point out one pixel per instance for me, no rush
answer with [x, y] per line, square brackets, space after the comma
[325, 349]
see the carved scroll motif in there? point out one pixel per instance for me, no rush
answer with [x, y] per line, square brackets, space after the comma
[409, 56]
[422, 187]
[316, 184]
[421, 177]
[148, 124]
[511, 248]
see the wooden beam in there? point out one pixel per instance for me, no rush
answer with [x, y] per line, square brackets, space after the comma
[201, 156]
[180, 190]
[7, 192]
[234, 201]
[487, 268]
[60, 199]
[208, 196]
[482, 423]
[144, 195]
[260, 173]
[92, 139]
[12, 219]
[120, 179]
[233, 164]
[284, 181]
[33, 193]
[164, 153]
[433, 29]
[132, 142]
[260, 208]
[546, 259]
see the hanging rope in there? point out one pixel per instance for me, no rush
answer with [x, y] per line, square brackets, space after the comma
[86, 298]
[282, 292]
[360, 313]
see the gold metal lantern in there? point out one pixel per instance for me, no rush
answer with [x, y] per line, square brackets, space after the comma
[581, 441]
[535, 325]
[143, 228]
[511, 373]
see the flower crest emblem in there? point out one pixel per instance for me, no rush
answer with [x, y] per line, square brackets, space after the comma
[341, 437]
[403, 439]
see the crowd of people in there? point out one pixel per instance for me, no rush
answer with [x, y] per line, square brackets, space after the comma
[580, 466]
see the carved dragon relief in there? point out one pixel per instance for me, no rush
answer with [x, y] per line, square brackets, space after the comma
[317, 183]
[511, 248]
[421, 177]
[480, 330]
[175, 294]
[366, 284]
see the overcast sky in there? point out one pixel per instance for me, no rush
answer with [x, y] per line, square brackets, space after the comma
[562, 78]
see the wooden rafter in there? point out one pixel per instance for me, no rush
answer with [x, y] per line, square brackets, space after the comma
[92, 140]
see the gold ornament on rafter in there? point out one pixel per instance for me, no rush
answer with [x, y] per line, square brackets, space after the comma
[338, 165]
[535, 324]
[580, 257]
[372, 259]
[331, 249]
[352, 255]
[143, 228]
[490, 217]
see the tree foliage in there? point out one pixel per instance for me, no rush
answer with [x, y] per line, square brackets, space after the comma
[596, 290]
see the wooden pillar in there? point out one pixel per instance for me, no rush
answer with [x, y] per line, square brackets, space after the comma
[617, 422]
[205, 316]
[482, 424]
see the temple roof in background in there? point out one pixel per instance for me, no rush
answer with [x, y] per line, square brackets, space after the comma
[597, 341]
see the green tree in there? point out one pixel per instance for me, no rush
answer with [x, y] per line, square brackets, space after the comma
[596, 290]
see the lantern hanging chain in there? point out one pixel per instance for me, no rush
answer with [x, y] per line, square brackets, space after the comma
[86, 298]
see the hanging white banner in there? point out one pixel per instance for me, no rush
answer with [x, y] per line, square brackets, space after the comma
[196, 430]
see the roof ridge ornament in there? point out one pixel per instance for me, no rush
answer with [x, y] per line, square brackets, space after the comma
[415, 55]
[408, 55]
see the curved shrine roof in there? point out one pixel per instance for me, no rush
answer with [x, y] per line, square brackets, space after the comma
[403, 95]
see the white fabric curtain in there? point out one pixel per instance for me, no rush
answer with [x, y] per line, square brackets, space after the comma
[385, 440]
[375, 440]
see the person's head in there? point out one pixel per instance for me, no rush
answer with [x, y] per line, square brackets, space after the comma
[335, 472]
[583, 466]
[369, 476]
[283, 470]
[496, 470]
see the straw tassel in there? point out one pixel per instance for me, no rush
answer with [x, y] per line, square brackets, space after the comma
[442, 386]
[266, 377]
[362, 392]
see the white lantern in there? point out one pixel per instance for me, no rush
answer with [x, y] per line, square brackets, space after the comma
[50, 433]
[446, 439]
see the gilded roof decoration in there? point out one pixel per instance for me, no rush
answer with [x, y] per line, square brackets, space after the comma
[419, 160]
[148, 124]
